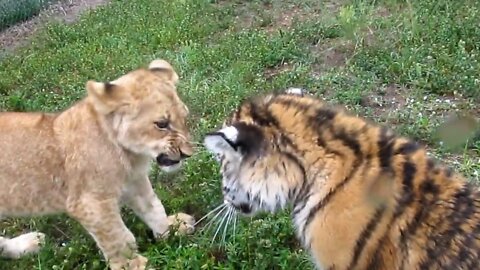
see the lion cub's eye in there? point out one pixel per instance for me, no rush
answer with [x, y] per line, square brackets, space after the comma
[162, 124]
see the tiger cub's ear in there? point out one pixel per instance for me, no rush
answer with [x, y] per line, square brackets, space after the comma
[222, 140]
[295, 91]
[240, 137]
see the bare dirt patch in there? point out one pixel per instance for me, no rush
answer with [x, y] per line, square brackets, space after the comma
[66, 11]
[274, 16]
[269, 73]
[331, 53]
[389, 99]
[284, 16]
[277, 15]
[285, 19]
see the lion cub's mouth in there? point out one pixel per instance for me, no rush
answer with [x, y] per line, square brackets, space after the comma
[164, 161]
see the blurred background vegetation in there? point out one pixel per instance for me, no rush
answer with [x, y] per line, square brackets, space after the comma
[14, 11]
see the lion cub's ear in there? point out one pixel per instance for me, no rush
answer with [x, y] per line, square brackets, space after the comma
[104, 96]
[161, 65]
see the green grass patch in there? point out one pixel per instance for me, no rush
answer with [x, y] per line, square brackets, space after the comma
[14, 11]
[434, 47]
[414, 51]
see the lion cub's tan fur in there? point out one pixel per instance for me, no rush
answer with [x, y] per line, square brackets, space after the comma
[92, 158]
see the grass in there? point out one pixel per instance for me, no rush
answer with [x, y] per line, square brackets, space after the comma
[14, 11]
[407, 64]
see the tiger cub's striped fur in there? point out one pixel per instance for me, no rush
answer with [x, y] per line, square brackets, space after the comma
[363, 197]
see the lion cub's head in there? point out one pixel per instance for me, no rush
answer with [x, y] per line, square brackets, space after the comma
[145, 113]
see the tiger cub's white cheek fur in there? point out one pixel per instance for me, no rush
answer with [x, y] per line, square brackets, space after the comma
[272, 197]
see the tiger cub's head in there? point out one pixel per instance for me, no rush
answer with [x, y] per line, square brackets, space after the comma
[258, 173]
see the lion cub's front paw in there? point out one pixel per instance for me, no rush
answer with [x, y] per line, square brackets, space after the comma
[24, 244]
[183, 222]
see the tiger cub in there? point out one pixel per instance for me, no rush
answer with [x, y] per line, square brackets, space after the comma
[362, 197]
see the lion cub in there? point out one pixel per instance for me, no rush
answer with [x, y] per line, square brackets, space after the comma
[92, 158]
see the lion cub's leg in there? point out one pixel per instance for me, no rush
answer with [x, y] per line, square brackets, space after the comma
[141, 198]
[21, 245]
[102, 219]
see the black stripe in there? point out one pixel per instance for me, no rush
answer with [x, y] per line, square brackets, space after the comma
[321, 142]
[472, 263]
[323, 119]
[471, 249]
[299, 206]
[409, 171]
[250, 138]
[349, 141]
[405, 200]
[408, 148]
[377, 263]
[464, 254]
[322, 203]
[302, 197]
[262, 116]
[385, 146]
[292, 102]
[365, 235]
[287, 141]
[425, 208]
[429, 187]
[222, 135]
[462, 211]
[295, 160]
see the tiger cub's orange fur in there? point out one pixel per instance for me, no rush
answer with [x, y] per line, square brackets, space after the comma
[362, 197]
